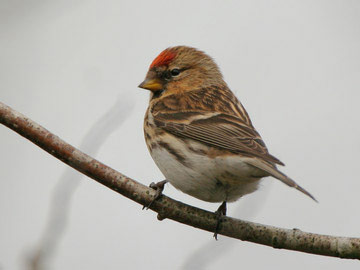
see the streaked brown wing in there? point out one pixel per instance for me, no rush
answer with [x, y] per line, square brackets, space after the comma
[216, 130]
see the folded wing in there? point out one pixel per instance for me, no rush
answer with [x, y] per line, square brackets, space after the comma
[217, 130]
[225, 132]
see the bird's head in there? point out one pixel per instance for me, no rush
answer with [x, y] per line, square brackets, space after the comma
[181, 69]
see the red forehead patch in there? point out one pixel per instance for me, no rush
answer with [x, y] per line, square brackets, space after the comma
[163, 59]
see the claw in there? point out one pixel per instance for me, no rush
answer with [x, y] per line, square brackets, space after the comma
[158, 187]
[220, 214]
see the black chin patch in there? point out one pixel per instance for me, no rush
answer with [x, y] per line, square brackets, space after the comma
[157, 94]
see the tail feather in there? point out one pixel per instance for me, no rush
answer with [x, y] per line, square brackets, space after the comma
[277, 174]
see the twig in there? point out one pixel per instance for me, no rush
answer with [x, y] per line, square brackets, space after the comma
[342, 247]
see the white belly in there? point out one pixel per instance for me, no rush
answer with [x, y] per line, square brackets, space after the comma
[223, 178]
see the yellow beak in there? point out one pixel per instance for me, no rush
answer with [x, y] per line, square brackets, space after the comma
[152, 84]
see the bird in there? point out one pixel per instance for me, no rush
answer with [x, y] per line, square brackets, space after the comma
[200, 135]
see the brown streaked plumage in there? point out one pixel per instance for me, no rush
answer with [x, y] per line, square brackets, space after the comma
[199, 134]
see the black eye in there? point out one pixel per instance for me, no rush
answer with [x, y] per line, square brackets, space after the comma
[175, 72]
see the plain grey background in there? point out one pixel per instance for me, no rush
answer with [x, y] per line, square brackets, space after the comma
[295, 65]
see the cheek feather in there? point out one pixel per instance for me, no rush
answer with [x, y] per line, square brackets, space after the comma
[163, 59]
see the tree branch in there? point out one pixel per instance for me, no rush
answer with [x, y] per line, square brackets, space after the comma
[342, 247]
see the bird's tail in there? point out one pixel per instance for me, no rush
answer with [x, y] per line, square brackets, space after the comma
[277, 174]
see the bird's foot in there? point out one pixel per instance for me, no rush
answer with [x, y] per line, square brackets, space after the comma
[220, 214]
[158, 187]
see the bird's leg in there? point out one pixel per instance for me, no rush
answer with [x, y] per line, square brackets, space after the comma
[158, 187]
[220, 213]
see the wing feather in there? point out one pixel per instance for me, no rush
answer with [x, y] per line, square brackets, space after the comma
[217, 130]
